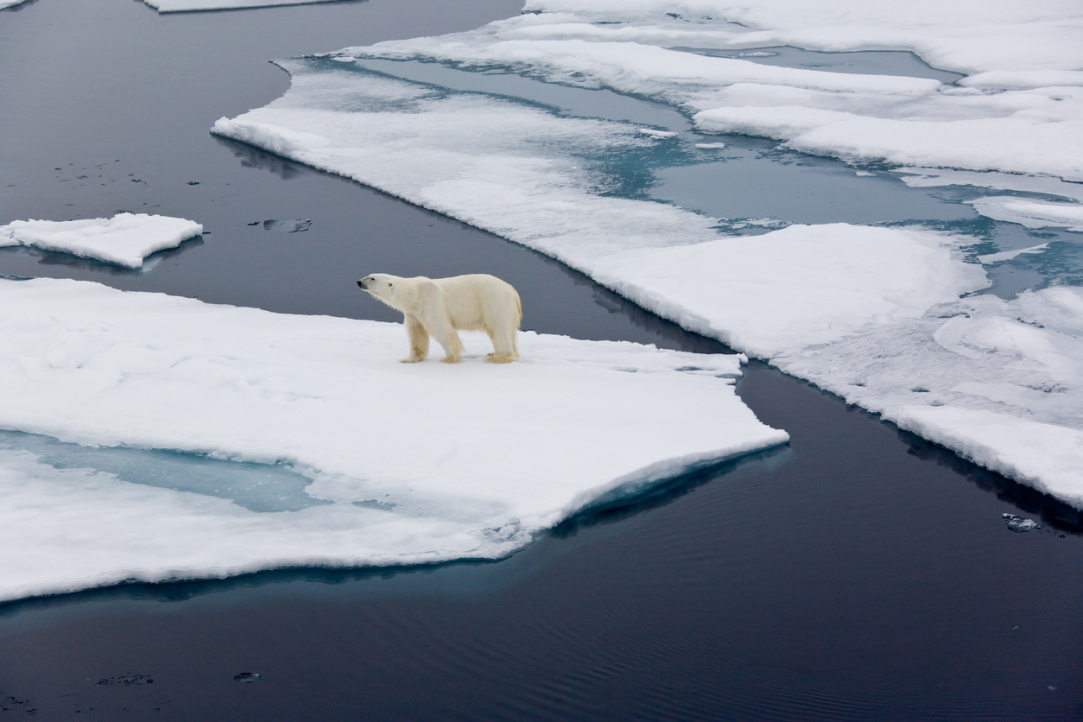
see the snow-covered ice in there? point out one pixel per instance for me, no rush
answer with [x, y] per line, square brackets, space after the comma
[1020, 109]
[1031, 213]
[126, 239]
[890, 318]
[404, 463]
[180, 6]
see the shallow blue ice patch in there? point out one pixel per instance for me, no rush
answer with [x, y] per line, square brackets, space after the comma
[257, 487]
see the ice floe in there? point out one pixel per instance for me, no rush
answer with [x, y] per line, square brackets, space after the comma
[180, 6]
[1020, 110]
[404, 463]
[886, 317]
[126, 239]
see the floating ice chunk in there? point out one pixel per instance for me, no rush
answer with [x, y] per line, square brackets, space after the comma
[655, 133]
[530, 442]
[180, 6]
[991, 258]
[711, 146]
[1020, 524]
[126, 239]
[10, 3]
[938, 177]
[1031, 213]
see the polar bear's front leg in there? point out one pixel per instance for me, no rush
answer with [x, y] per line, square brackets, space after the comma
[419, 340]
[453, 347]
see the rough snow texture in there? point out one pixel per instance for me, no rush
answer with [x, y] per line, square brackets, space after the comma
[1020, 109]
[180, 6]
[126, 239]
[421, 463]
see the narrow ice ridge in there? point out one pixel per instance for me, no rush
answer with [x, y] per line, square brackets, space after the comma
[408, 463]
[868, 313]
[181, 6]
[126, 239]
[1020, 111]
[1031, 213]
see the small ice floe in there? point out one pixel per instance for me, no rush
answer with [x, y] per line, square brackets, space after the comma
[711, 146]
[863, 173]
[991, 258]
[126, 239]
[247, 677]
[291, 225]
[657, 133]
[1019, 524]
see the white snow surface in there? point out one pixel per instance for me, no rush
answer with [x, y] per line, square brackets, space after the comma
[126, 239]
[452, 461]
[1021, 109]
[180, 6]
[860, 311]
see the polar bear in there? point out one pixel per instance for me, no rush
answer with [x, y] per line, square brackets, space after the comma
[439, 307]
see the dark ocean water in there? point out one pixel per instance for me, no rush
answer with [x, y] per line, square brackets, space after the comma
[861, 573]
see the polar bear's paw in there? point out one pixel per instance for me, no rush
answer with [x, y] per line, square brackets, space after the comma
[499, 358]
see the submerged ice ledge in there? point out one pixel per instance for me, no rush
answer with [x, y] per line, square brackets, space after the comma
[125, 240]
[408, 463]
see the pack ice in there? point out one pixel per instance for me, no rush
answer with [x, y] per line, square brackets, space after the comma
[891, 318]
[126, 239]
[401, 464]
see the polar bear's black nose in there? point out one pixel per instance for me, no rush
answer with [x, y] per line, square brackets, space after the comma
[361, 283]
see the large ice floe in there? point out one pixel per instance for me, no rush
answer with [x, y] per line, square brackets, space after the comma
[126, 239]
[338, 455]
[893, 318]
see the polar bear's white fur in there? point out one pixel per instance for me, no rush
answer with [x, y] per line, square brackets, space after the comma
[439, 307]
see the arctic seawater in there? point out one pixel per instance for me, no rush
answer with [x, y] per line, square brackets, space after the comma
[847, 576]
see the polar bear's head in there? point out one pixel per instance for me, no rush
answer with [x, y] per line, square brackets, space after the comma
[398, 293]
[380, 285]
